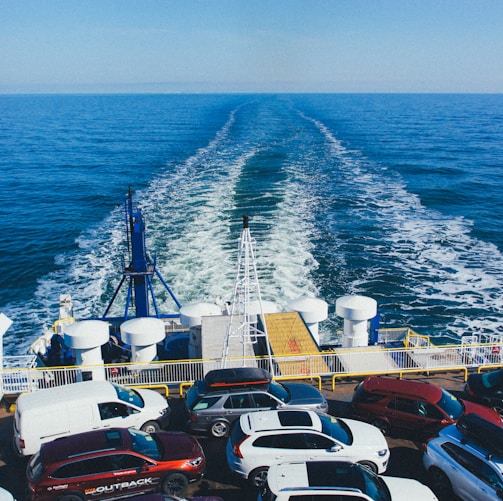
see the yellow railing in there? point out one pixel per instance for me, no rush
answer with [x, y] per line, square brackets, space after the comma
[330, 365]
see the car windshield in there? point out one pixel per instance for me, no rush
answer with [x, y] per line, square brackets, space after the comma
[279, 391]
[145, 444]
[451, 405]
[128, 395]
[336, 428]
[372, 485]
[492, 379]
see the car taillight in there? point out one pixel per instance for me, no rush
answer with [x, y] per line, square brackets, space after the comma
[22, 444]
[236, 448]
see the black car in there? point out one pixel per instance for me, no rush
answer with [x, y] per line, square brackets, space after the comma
[486, 388]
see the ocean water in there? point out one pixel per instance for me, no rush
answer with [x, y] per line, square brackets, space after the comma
[396, 197]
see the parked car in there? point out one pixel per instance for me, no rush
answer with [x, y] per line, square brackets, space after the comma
[260, 439]
[466, 460]
[417, 407]
[116, 462]
[44, 415]
[213, 404]
[338, 480]
[486, 388]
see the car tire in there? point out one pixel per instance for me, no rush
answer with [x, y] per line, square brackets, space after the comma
[369, 465]
[174, 484]
[258, 477]
[72, 496]
[220, 429]
[440, 483]
[382, 425]
[151, 427]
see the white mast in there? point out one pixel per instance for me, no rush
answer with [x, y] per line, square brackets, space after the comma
[246, 290]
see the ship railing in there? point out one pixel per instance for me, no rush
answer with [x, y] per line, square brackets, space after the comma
[327, 365]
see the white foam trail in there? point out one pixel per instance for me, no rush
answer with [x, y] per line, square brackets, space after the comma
[91, 274]
[436, 254]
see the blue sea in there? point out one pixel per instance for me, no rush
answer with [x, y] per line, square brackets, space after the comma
[396, 197]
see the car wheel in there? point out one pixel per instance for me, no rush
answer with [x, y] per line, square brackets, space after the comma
[382, 425]
[174, 484]
[258, 477]
[369, 465]
[72, 496]
[150, 427]
[440, 483]
[220, 429]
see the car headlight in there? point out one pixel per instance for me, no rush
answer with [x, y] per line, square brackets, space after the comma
[195, 462]
[382, 453]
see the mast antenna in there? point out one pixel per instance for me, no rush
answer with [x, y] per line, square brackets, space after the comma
[246, 304]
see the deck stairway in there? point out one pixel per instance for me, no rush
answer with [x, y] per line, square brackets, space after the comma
[289, 336]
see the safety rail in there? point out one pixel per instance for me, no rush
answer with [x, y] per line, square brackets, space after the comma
[338, 363]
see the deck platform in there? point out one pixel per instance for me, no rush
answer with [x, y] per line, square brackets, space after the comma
[288, 335]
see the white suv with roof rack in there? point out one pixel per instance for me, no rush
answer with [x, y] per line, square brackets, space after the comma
[338, 481]
[466, 459]
[261, 439]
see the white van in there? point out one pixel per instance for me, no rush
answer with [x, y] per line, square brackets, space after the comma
[45, 415]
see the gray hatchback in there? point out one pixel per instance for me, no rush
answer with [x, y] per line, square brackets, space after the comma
[214, 403]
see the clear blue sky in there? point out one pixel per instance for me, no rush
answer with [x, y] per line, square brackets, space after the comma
[251, 46]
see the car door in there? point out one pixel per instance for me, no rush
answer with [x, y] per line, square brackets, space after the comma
[296, 446]
[284, 447]
[322, 447]
[107, 476]
[401, 412]
[472, 477]
[413, 415]
[115, 414]
[237, 404]
[128, 474]
[264, 401]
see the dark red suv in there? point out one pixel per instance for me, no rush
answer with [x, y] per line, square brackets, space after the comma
[415, 406]
[116, 462]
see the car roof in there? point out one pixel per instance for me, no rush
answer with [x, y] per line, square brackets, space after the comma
[318, 474]
[239, 376]
[253, 422]
[79, 391]
[421, 389]
[85, 443]
[203, 390]
[480, 434]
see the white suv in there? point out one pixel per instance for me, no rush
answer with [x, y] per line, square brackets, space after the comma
[467, 459]
[338, 481]
[260, 439]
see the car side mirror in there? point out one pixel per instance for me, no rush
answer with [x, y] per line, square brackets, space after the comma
[336, 448]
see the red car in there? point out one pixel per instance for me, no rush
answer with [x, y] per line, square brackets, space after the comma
[115, 462]
[415, 406]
